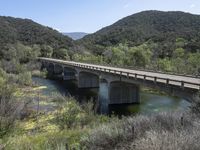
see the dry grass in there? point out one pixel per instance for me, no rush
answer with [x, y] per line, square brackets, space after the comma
[171, 131]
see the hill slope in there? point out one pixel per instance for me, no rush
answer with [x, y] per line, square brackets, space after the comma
[27, 32]
[160, 27]
[22, 40]
[76, 35]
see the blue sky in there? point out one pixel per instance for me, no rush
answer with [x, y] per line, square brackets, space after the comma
[88, 15]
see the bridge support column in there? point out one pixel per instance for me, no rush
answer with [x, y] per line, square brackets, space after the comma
[43, 65]
[50, 70]
[123, 93]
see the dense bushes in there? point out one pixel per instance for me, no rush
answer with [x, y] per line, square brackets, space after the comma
[72, 115]
[195, 107]
[144, 56]
[168, 130]
[21, 79]
[175, 130]
[9, 106]
[45, 141]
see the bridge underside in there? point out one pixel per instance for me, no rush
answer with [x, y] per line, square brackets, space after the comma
[88, 80]
[185, 93]
[58, 72]
[121, 89]
[50, 70]
[69, 74]
[123, 93]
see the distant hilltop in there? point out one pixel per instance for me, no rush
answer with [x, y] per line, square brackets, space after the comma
[76, 35]
[158, 27]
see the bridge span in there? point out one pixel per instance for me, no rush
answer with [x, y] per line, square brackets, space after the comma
[123, 84]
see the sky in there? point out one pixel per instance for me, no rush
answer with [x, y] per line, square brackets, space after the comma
[88, 15]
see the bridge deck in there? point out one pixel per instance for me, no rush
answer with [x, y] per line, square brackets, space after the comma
[178, 80]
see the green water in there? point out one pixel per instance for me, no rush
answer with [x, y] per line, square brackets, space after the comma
[149, 103]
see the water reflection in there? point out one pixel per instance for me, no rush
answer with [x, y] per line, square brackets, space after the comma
[103, 98]
[149, 103]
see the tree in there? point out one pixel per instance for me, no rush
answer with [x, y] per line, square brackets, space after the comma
[36, 51]
[139, 56]
[61, 54]
[180, 42]
[115, 55]
[194, 62]
[179, 53]
[24, 53]
[46, 51]
[165, 64]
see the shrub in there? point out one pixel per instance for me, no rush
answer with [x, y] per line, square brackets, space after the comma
[195, 107]
[25, 78]
[38, 73]
[45, 141]
[9, 108]
[132, 132]
[70, 114]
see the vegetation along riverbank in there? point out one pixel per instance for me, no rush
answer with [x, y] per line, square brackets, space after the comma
[34, 120]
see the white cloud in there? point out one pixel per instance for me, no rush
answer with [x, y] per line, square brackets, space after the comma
[192, 5]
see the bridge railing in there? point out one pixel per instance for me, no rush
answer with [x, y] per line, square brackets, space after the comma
[158, 71]
[136, 76]
[126, 74]
[196, 75]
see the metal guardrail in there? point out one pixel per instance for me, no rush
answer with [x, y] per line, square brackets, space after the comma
[135, 76]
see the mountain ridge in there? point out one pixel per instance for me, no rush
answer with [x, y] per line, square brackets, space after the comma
[30, 32]
[158, 26]
[75, 35]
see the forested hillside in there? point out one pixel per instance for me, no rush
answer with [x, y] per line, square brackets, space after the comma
[28, 32]
[162, 28]
[22, 40]
[166, 41]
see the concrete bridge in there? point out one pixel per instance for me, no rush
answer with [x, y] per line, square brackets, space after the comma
[123, 84]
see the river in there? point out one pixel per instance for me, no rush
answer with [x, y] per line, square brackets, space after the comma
[149, 103]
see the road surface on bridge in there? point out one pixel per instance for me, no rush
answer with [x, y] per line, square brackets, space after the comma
[178, 80]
